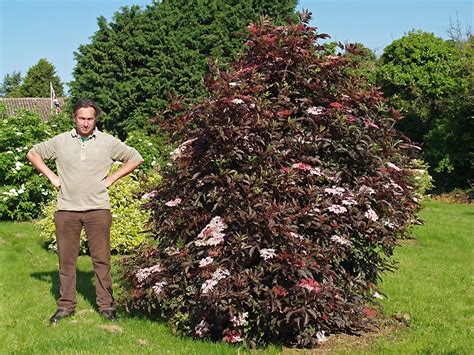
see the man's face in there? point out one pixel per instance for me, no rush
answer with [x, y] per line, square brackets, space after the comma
[85, 121]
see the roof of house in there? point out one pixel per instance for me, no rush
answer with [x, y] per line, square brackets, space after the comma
[39, 105]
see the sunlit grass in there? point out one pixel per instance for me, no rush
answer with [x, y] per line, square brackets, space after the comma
[433, 286]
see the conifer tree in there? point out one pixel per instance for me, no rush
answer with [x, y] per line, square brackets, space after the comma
[38, 78]
[135, 63]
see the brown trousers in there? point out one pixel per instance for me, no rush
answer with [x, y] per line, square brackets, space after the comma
[68, 230]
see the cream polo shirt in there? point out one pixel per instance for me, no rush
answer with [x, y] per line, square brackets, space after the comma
[83, 166]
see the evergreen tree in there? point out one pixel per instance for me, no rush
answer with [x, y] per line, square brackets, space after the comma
[135, 63]
[11, 85]
[38, 78]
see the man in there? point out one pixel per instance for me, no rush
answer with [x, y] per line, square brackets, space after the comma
[83, 159]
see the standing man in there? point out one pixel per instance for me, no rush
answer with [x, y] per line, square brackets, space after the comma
[83, 159]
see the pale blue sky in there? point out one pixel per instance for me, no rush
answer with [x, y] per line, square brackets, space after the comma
[54, 29]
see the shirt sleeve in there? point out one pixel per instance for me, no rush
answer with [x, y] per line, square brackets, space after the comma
[122, 152]
[46, 149]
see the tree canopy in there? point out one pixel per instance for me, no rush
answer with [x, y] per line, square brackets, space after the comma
[38, 78]
[429, 79]
[137, 62]
[11, 85]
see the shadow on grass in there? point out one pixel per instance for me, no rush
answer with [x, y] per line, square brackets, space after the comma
[84, 284]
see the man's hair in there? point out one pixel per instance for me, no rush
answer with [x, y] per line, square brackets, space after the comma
[85, 103]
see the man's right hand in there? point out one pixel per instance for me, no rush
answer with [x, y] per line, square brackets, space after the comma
[56, 182]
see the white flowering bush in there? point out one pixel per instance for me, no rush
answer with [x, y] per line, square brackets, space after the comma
[151, 147]
[129, 219]
[22, 190]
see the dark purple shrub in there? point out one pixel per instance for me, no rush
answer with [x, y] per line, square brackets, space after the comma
[284, 203]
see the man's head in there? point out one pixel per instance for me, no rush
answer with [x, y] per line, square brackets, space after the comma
[85, 114]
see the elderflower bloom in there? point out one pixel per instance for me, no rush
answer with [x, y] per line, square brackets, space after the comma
[158, 287]
[337, 191]
[218, 275]
[240, 320]
[201, 329]
[267, 253]
[238, 101]
[212, 234]
[320, 337]
[206, 261]
[337, 209]
[173, 203]
[370, 214]
[316, 110]
[341, 240]
[393, 166]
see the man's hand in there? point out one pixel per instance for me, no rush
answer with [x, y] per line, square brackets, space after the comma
[56, 182]
[125, 169]
[39, 164]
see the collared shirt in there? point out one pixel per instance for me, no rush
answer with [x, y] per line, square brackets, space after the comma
[83, 165]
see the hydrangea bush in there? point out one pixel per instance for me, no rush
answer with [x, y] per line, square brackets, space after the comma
[284, 202]
[22, 189]
[128, 230]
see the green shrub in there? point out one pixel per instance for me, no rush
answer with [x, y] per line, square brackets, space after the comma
[422, 180]
[283, 204]
[153, 149]
[129, 218]
[22, 190]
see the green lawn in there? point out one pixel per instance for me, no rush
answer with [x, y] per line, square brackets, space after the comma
[433, 285]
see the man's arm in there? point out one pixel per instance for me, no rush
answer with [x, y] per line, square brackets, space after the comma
[40, 165]
[125, 169]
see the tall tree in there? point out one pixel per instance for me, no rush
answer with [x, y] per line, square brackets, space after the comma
[135, 63]
[11, 85]
[428, 78]
[38, 78]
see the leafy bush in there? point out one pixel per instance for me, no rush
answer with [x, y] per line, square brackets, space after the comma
[284, 203]
[152, 148]
[128, 229]
[22, 189]
[422, 180]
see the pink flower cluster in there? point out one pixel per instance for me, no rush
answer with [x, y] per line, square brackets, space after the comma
[149, 195]
[267, 253]
[143, 274]
[212, 234]
[206, 261]
[232, 336]
[218, 275]
[337, 191]
[393, 166]
[337, 209]
[183, 150]
[316, 110]
[341, 240]
[173, 203]
[307, 167]
[201, 329]
[158, 287]
[370, 214]
[238, 101]
[240, 320]
[310, 284]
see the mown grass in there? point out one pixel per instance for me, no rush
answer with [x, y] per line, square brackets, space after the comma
[433, 286]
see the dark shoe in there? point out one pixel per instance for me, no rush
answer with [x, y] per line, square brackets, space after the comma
[109, 315]
[60, 314]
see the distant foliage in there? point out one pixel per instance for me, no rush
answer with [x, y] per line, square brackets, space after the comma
[153, 148]
[284, 202]
[22, 189]
[128, 230]
[430, 80]
[37, 81]
[136, 62]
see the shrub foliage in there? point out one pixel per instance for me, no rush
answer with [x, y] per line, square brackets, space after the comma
[22, 189]
[283, 204]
